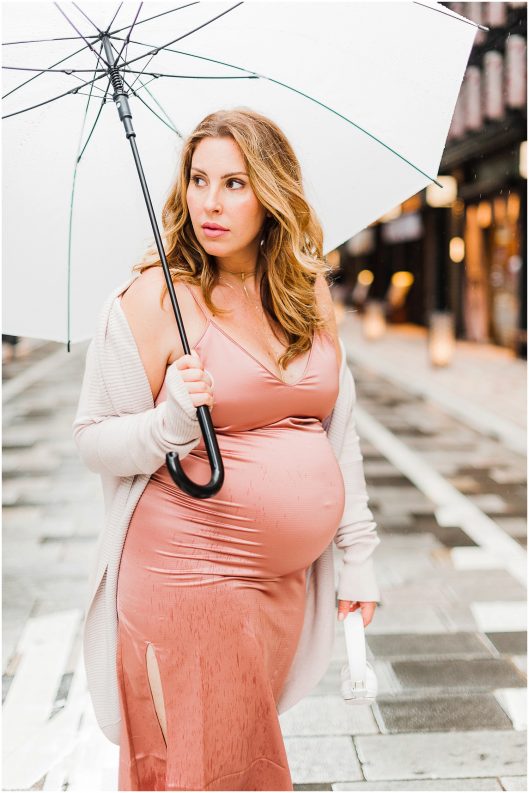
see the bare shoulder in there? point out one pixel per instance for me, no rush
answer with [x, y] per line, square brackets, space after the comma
[147, 287]
[151, 323]
[326, 309]
[141, 303]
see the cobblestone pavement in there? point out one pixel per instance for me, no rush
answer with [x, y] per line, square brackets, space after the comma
[448, 641]
[28, 352]
[485, 385]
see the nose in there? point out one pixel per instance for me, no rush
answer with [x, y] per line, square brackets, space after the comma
[212, 201]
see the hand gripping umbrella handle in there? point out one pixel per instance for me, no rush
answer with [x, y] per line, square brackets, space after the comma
[178, 474]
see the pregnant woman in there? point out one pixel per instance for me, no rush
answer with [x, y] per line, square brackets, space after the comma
[211, 593]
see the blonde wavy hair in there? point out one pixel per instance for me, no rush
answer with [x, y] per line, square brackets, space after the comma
[292, 239]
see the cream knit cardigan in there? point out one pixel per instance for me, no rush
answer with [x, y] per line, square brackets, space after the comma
[122, 436]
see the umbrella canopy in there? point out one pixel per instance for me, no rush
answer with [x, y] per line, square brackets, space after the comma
[365, 92]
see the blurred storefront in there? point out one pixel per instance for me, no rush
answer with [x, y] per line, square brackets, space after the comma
[470, 256]
[486, 152]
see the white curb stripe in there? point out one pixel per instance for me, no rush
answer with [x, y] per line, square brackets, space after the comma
[453, 507]
[480, 419]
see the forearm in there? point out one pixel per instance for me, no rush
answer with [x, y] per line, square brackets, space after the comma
[357, 535]
[132, 443]
[135, 443]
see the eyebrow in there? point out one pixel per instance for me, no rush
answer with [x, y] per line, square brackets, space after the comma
[194, 168]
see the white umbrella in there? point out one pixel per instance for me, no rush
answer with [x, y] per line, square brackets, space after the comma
[364, 91]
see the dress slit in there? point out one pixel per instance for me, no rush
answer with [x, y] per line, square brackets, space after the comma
[155, 669]
[143, 751]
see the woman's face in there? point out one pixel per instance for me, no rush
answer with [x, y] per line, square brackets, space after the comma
[219, 192]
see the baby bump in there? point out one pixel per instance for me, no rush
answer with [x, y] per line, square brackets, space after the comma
[279, 507]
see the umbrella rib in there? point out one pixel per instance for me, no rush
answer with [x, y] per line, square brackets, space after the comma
[93, 86]
[54, 98]
[156, 50]
[140, 73]
[82, 93]
[196, 76]
[171, 11]
[99, 57]
[38, 75]
[87, 17]
[442, 10]
[80, 152]
[95, 122]
[171, 127]
[340, 115]
[51, 69]
[126, 39]
[125, 44]
[131, 87]
[143, 85]
[113, 18]
[192, 55]
[291, 88]
[41, 41]
[161, 108]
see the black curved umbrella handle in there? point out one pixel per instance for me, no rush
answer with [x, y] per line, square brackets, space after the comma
[178, 474]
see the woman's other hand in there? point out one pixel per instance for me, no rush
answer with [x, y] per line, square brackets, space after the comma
[367, 607]
[198, 380]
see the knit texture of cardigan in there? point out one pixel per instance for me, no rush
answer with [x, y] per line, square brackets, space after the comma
[124, 438]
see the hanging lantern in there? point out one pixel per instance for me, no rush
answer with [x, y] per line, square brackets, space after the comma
[442, 196]
[374, 324]
[441, 340]
[457, 249]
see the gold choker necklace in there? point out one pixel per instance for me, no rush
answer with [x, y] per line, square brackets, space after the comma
[243, 276]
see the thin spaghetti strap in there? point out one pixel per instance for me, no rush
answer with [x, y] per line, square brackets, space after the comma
[197, 301]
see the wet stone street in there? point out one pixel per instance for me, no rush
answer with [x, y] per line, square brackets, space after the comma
[447, 642]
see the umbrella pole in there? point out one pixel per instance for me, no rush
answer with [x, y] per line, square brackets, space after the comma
[176, 471]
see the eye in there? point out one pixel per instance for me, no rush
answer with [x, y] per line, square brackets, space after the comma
[237, 181]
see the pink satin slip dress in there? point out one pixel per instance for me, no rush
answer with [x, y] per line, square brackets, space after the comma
[217, 586]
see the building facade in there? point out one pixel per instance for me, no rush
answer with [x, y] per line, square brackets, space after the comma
[469, 257]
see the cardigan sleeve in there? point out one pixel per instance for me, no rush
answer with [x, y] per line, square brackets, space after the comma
[133, 443]
[357, 535]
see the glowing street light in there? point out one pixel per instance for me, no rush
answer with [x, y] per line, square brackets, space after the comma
[442, 196]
